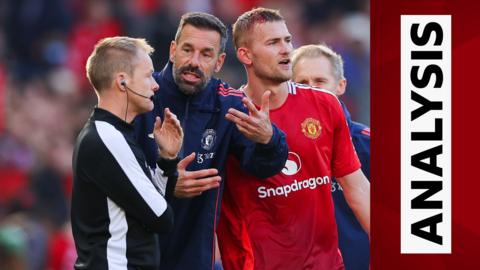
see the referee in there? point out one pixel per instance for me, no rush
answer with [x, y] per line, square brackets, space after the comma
[118, 203]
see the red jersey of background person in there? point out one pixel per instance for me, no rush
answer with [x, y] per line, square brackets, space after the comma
[287, 221]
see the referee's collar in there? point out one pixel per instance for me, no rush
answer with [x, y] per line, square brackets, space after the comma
[104, 115]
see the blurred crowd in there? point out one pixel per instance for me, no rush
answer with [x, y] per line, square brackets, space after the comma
[45, 97]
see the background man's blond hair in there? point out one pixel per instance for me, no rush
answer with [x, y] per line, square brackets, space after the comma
[316, 50]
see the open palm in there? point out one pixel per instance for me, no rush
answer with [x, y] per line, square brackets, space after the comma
[168, 135]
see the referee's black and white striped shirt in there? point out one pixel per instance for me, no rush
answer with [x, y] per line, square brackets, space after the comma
[117, 202]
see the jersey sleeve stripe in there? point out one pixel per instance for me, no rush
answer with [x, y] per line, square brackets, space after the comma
[119, 148]
[221, 87]
[230, 94]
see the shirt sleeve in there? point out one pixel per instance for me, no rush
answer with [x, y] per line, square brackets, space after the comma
[113, 167]
[345, 160]
[169, 174]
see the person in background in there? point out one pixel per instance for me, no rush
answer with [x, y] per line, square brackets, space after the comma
[320, 66]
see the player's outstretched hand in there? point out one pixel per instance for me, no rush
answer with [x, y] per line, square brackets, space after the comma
[168, 135]
[256, 126]
[193, 183]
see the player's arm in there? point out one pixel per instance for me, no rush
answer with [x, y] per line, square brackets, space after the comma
[356, 190]
[260, 146]
[346, 167]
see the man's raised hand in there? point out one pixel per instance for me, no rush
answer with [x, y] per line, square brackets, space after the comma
[256, 126]
[168, 135]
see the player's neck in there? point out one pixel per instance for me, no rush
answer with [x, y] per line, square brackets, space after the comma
[255, 88]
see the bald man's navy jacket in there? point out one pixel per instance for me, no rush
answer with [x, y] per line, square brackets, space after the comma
[212, 138]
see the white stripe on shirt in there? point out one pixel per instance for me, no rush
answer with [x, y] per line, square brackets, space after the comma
[117, 243]
[159, 179]
[119, 148]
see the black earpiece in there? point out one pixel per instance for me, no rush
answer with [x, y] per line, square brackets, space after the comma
[125, 88]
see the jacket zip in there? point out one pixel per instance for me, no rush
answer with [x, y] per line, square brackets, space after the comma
[184, 125]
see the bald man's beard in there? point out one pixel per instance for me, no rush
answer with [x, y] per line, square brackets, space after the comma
[187, 88]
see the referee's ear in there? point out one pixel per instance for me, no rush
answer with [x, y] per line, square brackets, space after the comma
[243, 55]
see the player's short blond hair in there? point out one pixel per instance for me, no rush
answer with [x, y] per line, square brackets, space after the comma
[112, 55]
[316, 50]
[247, 20]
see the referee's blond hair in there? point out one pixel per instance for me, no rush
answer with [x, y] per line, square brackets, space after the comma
[111, 55]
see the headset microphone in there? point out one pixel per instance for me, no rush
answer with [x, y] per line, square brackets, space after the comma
[124, 84]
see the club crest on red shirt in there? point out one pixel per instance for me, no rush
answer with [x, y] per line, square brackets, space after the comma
[311, 128]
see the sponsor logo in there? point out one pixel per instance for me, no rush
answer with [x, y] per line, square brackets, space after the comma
[201, 157]
[293, 164]
[292, 167]
[310, 183]
[311, 128]
[208, 139]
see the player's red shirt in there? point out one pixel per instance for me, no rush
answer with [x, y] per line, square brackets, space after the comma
[287, 221]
